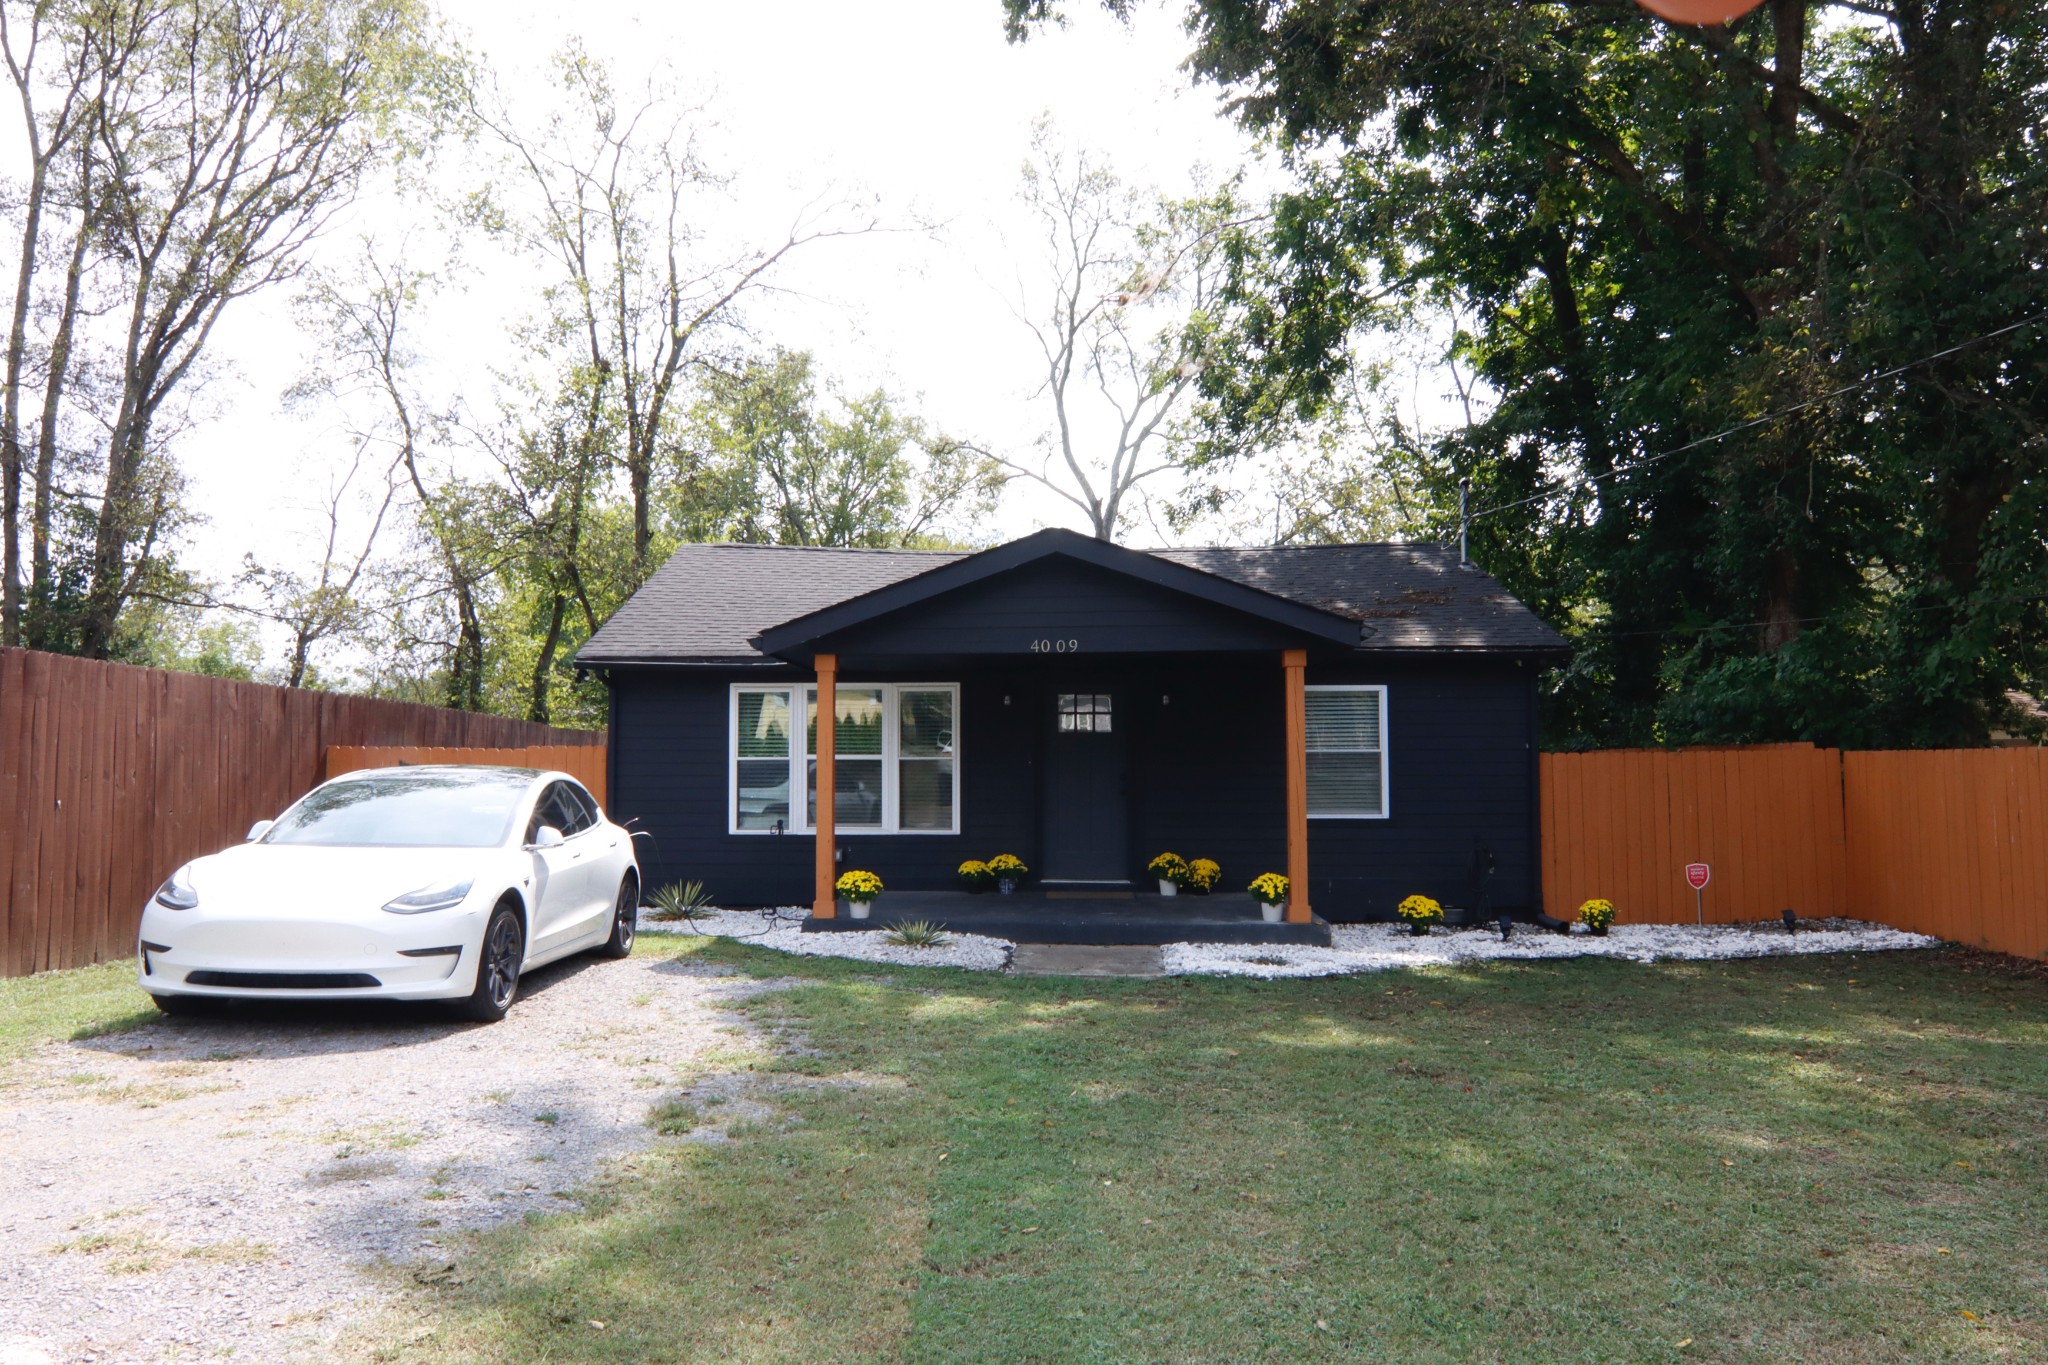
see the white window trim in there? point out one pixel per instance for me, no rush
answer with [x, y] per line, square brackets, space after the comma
[800, 761]
[1386, 809]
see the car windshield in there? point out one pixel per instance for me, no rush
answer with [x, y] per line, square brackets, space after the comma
[407, 810]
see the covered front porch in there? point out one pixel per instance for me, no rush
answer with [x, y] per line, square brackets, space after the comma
[1035, 915]
[1075, 703]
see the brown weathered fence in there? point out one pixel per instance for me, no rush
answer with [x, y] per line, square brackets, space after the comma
[1946, 842]
[111, 776]
[584, 762]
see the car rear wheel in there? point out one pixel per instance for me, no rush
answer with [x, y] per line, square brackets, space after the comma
[625, 920]
[497, 968]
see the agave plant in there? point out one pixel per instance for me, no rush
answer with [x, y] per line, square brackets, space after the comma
[919, 933]
[681, 900]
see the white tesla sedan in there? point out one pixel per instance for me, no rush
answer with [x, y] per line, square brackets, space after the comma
[427, 883]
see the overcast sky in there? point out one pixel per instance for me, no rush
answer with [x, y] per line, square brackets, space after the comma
[919, 105]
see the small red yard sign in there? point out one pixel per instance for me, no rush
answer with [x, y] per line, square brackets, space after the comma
[1697, 875]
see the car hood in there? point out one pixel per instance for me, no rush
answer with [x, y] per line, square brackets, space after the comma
[285, 877]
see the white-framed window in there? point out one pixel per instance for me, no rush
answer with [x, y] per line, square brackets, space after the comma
[897, 759]
[1347, 752]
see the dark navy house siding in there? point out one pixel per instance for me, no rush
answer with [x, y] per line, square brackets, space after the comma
[1205, 767]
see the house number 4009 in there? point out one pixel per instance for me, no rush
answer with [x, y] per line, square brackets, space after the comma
[1055, 646]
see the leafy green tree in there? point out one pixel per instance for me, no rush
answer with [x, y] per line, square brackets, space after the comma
[1759, 306]
[790, 466]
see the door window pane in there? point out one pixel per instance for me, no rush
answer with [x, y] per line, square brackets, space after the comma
[1084, 712]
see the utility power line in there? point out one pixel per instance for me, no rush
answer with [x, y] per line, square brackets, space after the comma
[1465, 518]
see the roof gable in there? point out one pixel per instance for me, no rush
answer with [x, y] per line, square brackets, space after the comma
[1102, 560]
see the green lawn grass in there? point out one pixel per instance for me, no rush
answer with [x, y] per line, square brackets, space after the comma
[53, 1006]
[1821, 1160]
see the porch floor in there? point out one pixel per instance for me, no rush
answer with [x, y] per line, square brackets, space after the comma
[1075, 917]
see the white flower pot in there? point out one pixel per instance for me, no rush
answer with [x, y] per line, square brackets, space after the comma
[1272, 911]
[1167, 888]
[857, 909]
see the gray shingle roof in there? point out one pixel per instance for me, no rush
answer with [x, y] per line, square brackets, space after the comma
[709, 601]
[1412, 596]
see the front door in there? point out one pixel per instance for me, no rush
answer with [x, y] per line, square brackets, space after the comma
[1087, 830]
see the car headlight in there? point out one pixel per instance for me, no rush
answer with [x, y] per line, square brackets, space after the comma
[176, 893]
[443, 895]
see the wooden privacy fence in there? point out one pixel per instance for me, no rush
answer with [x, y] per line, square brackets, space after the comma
[1946, 842]
[111, 776]
[584, 762]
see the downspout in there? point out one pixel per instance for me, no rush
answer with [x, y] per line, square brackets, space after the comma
[1537, 914]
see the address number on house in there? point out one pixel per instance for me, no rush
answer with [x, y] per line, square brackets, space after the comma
[1055, 646]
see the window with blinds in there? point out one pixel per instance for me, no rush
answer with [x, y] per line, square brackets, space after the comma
[896, 769]
[1347, 752]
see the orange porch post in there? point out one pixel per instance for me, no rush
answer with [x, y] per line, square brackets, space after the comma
[1295, 664]
[826, 903]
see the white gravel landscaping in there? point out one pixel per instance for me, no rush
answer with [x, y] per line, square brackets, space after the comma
[1378, 947]
[780, 929]
[1354, 947]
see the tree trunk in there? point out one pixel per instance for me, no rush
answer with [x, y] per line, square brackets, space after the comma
[544, 663]
[37, 626]
[111, 537]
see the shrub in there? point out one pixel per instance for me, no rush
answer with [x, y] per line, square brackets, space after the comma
[681, 900]
[1269, 887]
[858, 887]
[918, 933]
[1597, 913]
[1420, 909]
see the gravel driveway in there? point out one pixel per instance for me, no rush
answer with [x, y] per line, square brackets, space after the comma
[196, 1188]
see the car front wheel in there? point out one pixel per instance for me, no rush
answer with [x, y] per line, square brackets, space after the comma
[497, 968]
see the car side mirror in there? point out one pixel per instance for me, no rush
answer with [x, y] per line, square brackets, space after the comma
[547, 836]
[259, 829]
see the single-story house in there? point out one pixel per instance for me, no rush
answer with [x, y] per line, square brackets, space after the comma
[1360, 718]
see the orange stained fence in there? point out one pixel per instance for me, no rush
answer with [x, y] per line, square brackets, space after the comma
[1623, 823]
[1952, 842]
[584, 762]
[1946, 842]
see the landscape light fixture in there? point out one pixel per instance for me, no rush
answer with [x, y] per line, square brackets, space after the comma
[1507, 927]
[1791, 922]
